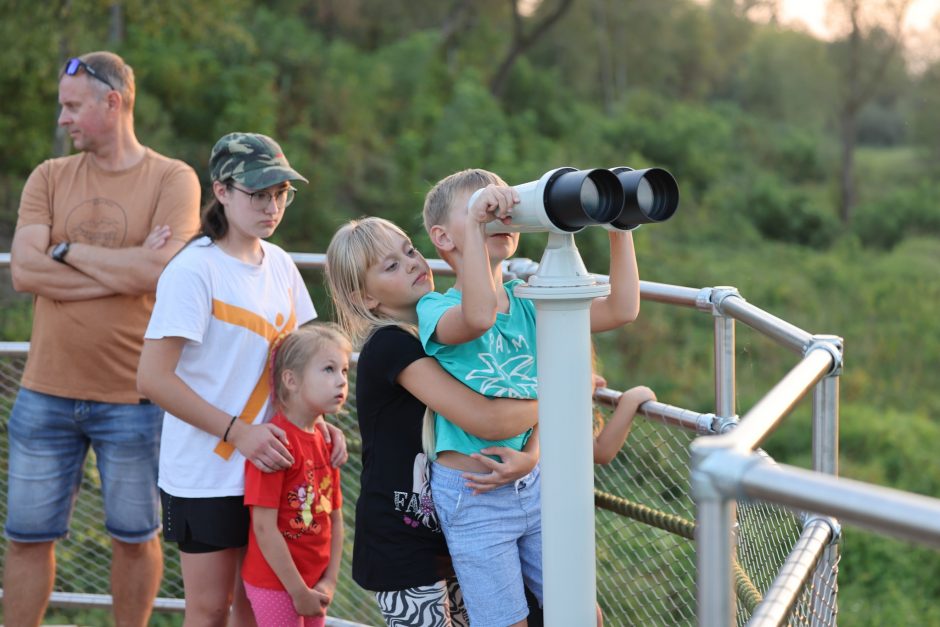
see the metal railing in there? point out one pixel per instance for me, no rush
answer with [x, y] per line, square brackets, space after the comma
[758, 557]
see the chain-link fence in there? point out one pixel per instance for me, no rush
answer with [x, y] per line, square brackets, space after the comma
[645, 548]
[645, 521]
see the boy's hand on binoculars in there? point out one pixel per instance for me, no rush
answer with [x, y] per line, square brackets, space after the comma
[494, 202]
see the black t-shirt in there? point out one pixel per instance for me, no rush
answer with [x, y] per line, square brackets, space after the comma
[398, 542]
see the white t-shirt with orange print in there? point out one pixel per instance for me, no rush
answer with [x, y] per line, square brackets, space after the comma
[229, 312]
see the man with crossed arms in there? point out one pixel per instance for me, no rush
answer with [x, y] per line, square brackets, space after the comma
[94, 232]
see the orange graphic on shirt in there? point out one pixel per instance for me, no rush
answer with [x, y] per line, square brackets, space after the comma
[256, 324]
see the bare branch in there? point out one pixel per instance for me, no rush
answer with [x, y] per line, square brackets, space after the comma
[522, 42]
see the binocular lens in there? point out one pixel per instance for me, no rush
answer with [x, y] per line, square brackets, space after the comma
[578, 198]
[644, 196]
[590, 199]
[651, 195]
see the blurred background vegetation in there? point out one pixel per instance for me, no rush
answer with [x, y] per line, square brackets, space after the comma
[807, 169]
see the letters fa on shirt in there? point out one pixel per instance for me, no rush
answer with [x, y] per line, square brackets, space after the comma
[417, 505]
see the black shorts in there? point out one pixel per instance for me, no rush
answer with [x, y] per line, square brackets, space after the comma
[205, 525]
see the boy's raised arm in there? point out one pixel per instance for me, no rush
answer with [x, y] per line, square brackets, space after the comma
[476, 312]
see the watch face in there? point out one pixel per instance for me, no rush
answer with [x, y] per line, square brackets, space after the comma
[58, 253]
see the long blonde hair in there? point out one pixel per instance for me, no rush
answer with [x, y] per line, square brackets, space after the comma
[356, 246]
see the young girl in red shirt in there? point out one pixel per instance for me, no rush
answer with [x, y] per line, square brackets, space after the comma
[296, 537]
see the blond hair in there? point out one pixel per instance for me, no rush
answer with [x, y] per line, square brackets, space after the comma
[113, 69]
[357, 246]
[439, 201]
[296, 350]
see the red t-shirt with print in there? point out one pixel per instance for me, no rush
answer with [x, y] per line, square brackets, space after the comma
[304, 496]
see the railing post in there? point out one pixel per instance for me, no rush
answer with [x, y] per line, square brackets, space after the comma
[826, 460]
[725, 391]
[714, 540]
[726, 415]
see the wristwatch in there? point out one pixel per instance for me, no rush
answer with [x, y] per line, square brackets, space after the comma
[60, 251]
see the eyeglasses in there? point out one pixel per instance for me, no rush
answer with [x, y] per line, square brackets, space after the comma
[73, 65]
[262, 200]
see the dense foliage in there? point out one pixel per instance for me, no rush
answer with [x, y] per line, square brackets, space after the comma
[374, 101]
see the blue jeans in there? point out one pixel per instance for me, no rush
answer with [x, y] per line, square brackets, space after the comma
[495, 542]
[49, 440]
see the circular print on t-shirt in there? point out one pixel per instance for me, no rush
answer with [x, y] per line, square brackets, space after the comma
[97, 221]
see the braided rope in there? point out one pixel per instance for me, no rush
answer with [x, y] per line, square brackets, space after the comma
[746, 590]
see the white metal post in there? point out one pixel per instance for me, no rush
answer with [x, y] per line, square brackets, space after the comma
[826, 460]
[563, 291]
[714, 543]
[826, 410]
[716, 510]
[725, 406]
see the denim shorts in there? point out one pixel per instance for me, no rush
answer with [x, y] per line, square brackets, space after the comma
[495, 543]
[49, 440]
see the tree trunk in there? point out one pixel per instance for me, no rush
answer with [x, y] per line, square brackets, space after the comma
[849, 121]
[60, 140]
[605, 55]
[847, 192]
[116, 24]
[522, 42]
[860, 87]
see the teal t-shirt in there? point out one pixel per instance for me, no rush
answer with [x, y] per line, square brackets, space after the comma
[500, 363]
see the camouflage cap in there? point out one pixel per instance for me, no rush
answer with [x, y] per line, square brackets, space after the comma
[252, 159]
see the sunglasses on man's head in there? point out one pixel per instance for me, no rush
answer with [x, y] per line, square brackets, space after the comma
[73, 65]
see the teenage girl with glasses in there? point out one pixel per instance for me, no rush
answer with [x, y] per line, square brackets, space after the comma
[220, 303]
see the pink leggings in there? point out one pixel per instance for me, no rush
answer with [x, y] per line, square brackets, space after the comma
[275, 608]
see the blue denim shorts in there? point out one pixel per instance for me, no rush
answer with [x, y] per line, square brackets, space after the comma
[49, 440]
[495, 543]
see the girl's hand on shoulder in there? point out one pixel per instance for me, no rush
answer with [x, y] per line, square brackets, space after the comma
[334, 437]
[264, 445]
[514, 465]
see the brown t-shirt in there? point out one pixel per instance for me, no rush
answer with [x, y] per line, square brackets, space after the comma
[89, 349]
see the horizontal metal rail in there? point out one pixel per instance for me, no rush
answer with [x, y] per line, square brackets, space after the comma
[671, 294]
[798, 568]
[697, 298]
[758, 423]
[702, 424]
[14, 349]
[87, 600]
[783, 332]
[653, 410]
[743, 475]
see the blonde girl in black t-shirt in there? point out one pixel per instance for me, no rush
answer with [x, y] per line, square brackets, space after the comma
[376, 278]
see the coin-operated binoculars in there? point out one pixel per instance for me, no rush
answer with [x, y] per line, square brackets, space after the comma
[562, 202]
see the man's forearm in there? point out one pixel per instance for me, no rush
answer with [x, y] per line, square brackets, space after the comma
[41, 275]
[133, 270]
